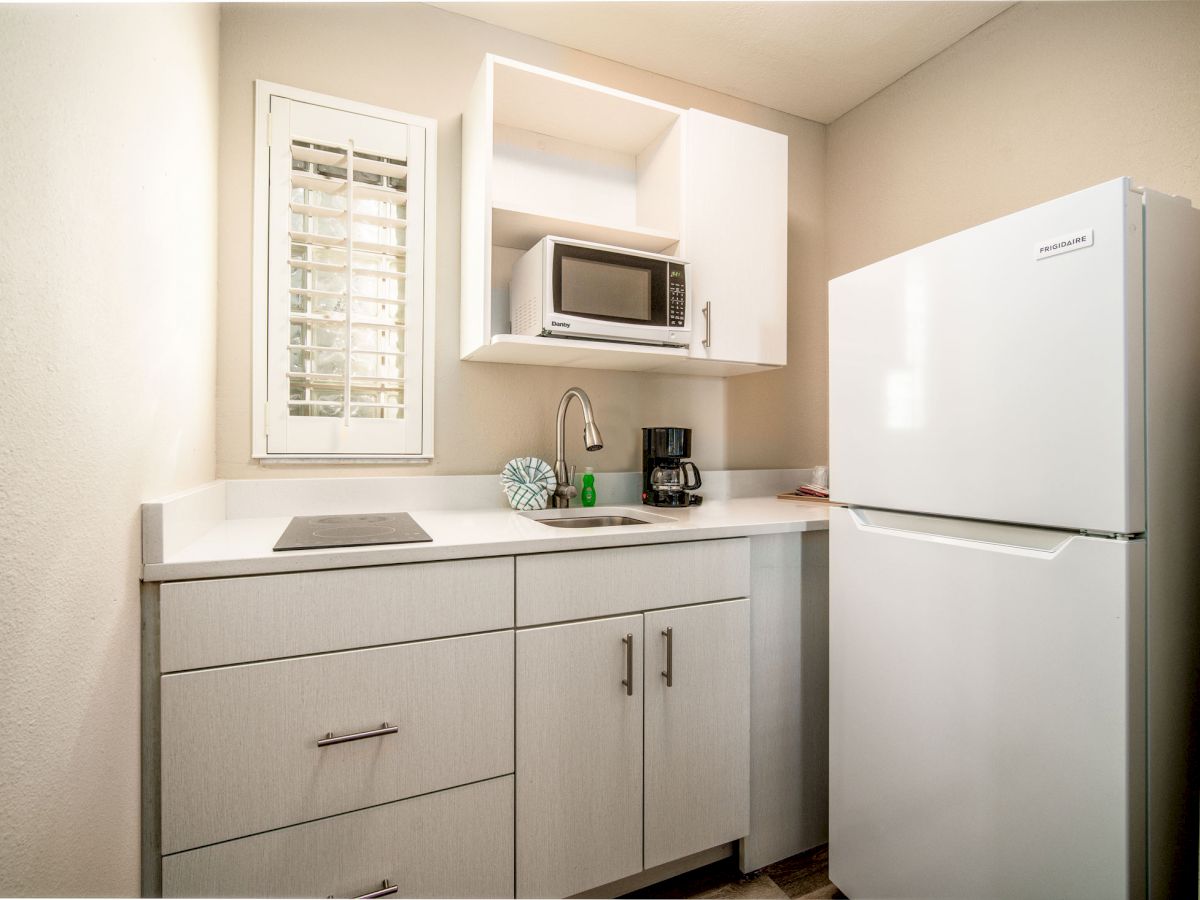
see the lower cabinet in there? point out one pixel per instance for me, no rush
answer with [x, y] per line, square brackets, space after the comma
[453, 843]
[599, 795]
[697, 741]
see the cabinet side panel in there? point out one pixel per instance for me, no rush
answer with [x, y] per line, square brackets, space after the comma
[476, 214]
[1173, 560]
[789, 697]
[151, 747]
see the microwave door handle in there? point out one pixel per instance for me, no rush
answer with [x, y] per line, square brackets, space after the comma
[688, 486]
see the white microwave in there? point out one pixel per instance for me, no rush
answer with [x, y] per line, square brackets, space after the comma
[568, 288]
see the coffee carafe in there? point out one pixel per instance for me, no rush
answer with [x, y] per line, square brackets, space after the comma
[668, 477]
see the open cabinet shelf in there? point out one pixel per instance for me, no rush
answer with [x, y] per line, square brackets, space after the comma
[520, 229]
[549, 154]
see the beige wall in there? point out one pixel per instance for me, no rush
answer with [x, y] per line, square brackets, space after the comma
[108, 320]
[423, 60]
[1045, 99]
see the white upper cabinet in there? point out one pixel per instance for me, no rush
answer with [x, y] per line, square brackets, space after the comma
[548, 154]
[735, 237]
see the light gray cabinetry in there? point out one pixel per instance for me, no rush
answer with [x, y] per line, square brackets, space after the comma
[582, 584]
[455, 843]
[585, 746]
[557, 747]
[789, 697]
[697, 744]
[232, 620]
[240, 750]
[249, 682]
[579, 756]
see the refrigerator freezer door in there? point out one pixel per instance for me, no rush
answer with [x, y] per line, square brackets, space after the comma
[972, 377]
[984, 700]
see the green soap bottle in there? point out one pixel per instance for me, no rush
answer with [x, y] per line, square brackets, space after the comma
[588, 495]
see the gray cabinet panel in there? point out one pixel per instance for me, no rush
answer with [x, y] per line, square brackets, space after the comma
[232, 620]
[789, 697]
[455, 843]
[581, 584]
[579, 757]
[697, 762]
[239, 744]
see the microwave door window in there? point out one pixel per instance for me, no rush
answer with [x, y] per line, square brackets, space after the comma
[601, 290]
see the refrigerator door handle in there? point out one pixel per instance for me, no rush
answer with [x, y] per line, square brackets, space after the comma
[1040, 542]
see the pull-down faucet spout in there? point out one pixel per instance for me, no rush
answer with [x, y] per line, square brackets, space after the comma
[592, 440]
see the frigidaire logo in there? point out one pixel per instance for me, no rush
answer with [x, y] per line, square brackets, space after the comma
[1065, 244]
[560, 324]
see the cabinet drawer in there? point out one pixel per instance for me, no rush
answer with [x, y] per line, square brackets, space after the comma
[232, 620]
[455, 843]
[239, 745]
[582, 584]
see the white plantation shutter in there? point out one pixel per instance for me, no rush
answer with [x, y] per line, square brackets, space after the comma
[345, 283]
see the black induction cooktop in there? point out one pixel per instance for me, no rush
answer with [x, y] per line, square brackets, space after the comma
[315, 532]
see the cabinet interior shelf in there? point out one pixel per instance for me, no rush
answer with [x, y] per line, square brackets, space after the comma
[520, 229]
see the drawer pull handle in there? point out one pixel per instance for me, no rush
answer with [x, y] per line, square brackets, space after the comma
[385, 891]
[628, 680]
[331, 738]
[668, 674]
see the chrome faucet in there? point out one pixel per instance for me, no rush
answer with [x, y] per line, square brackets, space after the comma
[565, 476]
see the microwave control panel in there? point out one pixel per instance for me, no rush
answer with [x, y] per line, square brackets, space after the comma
[676, 296]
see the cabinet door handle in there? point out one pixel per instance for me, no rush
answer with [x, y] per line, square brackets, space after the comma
[628, 680]
[385, 891]
[707, 342]
[668, 674]
[331, 738]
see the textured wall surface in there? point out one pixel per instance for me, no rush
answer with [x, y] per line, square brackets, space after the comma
[424, 60]
[107, 320]
[1045, 99]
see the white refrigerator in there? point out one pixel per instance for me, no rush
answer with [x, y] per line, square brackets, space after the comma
[1015, 576]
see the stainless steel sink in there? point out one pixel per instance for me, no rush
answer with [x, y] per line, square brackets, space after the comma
[592, 522]
[595, 517]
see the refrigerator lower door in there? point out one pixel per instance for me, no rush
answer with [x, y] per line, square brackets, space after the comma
[986, 695]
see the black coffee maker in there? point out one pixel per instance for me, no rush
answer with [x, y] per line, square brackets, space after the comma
[666, 469]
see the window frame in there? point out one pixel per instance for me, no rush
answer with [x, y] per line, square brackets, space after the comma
[260, 350]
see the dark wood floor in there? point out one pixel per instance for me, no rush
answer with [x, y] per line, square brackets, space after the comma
[803, 875]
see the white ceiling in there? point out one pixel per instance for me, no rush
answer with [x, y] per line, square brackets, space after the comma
[812, 59]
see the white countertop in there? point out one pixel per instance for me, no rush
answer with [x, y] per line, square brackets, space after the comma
[243, 546]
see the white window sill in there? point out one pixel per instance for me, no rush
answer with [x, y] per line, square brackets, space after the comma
[281, 460]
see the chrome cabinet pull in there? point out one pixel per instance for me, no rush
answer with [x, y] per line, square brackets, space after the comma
[387, 889]
[668, 674]
[331, 738]
[628, 680]
[707, 342]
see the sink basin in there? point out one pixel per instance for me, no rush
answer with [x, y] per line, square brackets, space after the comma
[592, 522]
[595, 517]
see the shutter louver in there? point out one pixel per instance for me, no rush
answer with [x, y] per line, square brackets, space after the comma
[347, 230]
[345, 283]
